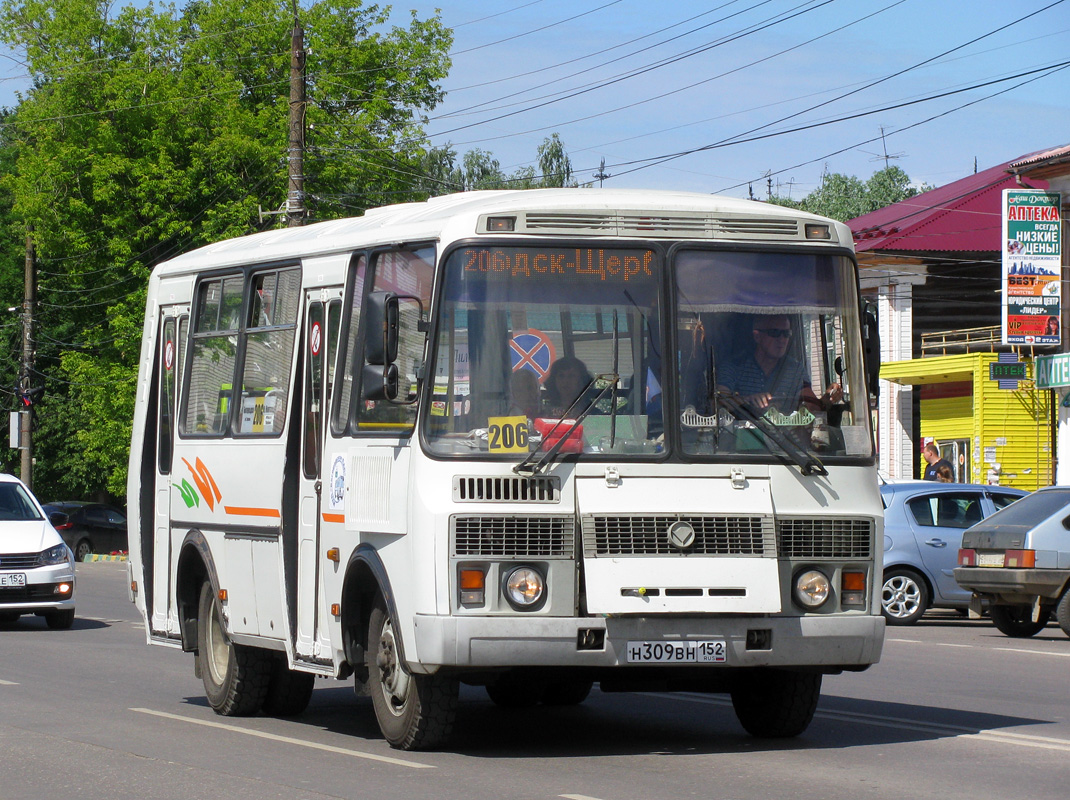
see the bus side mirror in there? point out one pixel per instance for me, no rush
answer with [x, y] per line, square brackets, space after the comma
[380, 382]
[871, 347]
[381, 347]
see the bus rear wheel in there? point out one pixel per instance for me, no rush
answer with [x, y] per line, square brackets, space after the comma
[776, 704]
[235, 678]
[289, 690]
[414, 712]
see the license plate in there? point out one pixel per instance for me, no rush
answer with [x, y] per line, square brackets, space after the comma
[13, 579]
[705, 651]
[990, 559]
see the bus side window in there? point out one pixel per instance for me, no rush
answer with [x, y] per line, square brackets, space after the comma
[407, 272]
[269, 346]
[350, 354]
[213, 355]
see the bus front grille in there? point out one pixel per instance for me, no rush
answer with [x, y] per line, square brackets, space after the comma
[824, 538]
[512, 536]
[640, 535]
[506, 489]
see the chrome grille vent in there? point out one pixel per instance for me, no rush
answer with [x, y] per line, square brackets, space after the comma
[512, 536]
[20, 560]
[676, 225]
[500, 489]
[824, 538]
[648, 536]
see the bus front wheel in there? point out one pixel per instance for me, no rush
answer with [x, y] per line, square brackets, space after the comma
[775, 704]
[235, 678]
[414, 712]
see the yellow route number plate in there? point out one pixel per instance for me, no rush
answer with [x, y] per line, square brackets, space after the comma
[507, 434]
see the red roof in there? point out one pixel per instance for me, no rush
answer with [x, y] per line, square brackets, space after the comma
[963, 216]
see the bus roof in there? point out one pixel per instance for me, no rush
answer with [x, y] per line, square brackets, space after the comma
[617, 213]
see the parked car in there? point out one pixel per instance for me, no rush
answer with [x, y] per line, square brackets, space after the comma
[36, 567]
[923, 525]
[91, 527]
[1019, 562]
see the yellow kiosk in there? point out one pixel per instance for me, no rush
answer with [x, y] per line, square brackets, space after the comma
[990, 432]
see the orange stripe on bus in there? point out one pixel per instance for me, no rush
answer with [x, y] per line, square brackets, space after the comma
[241, 511]
[334, 517]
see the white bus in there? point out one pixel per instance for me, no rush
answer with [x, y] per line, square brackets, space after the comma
[524, 440]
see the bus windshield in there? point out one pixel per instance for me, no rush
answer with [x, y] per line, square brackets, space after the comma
[540, 346]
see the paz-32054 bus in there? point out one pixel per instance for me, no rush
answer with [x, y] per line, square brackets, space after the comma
[530, 441]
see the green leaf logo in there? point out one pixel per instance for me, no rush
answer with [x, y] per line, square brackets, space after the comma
[189, 494]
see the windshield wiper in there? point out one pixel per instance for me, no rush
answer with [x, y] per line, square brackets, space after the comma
[804, 459]
[529, 467]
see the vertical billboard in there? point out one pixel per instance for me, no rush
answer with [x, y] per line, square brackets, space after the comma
[1032, 267]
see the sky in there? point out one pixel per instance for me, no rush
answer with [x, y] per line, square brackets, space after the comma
[747, 96]
[742, 96]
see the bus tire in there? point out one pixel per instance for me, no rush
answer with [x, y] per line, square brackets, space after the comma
[1017, 621]
[776, 704]
[289, 691]
[414, 712]
[1062, 611]
[235, 678]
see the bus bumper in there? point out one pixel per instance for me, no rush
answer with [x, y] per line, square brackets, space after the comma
[833, 642]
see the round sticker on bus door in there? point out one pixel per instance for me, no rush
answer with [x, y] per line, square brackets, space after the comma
[169, 355]
[315, 338]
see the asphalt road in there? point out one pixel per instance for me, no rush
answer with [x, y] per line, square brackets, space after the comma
[954, 710]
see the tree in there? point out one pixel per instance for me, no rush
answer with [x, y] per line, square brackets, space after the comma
[479, 169]
[844, 197]
[154, 131]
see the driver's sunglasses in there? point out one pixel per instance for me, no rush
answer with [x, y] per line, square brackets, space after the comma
[775, 333]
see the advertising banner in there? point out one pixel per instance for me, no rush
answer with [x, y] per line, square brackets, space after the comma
[1032, 267]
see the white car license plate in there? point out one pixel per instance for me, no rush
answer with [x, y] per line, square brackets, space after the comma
[704, 651]
[13, 579]
[990, 559]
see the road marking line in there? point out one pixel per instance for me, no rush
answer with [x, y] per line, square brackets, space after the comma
[972, 646]
[899, 723]
[577, 797]
[8, 683]
[285, 739]
[1033, 652]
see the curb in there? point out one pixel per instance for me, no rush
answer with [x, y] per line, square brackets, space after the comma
[96, 557]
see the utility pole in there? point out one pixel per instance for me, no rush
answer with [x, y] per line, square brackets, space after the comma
[26, 393]
[295, 194]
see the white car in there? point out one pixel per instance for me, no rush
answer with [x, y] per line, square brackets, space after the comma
[36, 567]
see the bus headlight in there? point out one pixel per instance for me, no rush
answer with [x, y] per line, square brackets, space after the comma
[524, 588]
[811, 589]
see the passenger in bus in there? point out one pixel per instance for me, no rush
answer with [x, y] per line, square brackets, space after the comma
[524, 394]
[770, 376]
[567, 380]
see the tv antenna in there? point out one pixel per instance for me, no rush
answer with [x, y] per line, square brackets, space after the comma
[887, 157]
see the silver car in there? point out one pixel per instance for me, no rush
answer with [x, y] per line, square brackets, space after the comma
[923, 526]
[36, 567]
[1018, 562]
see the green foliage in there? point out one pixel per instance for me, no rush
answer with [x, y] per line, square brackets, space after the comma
[844, 197]
[479, 169]
[149, 131]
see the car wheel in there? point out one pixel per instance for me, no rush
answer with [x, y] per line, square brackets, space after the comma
[1062, 612]
[904, 596]
[60, 620]
[414, 712]
[1017, 621]
[236, 678]
[775, 704]
[82, 549]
